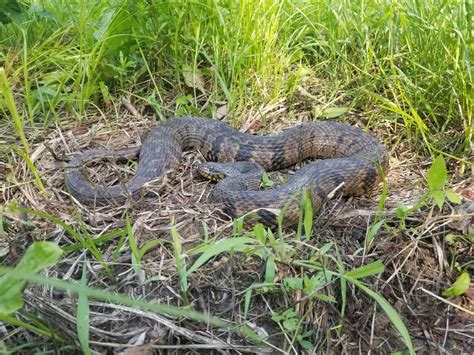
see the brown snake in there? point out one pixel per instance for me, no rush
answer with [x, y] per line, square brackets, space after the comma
[352, 159]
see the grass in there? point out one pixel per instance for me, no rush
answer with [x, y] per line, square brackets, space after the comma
[63, 55]
[402, 67]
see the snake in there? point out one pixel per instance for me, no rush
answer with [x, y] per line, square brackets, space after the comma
[342, 157]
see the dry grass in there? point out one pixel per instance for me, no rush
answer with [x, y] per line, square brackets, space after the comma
[418, 261]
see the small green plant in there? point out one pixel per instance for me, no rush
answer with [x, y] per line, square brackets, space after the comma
[137, 253]
[437, 178]
[38, 256]
[261, 242]
[378, 222]
[438, 193]
[84, 238]
[460, 286]
[266, 181]
[180, 262]
[291, 323]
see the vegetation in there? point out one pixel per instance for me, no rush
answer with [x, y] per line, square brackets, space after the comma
[409, 58]
[402, 67]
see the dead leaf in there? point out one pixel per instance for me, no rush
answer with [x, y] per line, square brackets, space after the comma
[222, 111]
[467, 193]
[193, 78]
[139, 350]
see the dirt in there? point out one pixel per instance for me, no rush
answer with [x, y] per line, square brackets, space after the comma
[419, 262]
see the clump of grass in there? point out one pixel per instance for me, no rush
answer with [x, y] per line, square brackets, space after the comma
[65, 55]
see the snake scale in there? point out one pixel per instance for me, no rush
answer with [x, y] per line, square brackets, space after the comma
[351, 161]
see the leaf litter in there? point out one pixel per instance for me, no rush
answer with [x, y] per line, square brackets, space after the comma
[416, 258]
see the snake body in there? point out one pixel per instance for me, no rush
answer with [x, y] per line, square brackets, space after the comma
[352, 159]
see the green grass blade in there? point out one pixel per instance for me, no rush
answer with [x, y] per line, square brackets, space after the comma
[221, 246]
[83, 313]
[390, 312]
[180, 263]
[6, 90]
[308, 216]
[139, 304]
[31, 166]
[371, 269]
[9, 319]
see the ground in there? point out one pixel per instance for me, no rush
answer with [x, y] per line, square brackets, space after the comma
[419, 262]
[170, 272]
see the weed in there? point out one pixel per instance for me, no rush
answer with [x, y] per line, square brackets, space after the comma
[438, 193]
[180, 264]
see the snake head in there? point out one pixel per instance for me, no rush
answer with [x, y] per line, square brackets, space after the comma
[219, 171]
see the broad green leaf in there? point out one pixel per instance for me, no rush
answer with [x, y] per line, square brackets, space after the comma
[437, 174]
[460, 286]
[266, 181]
[453, 196]
[332, 112]
[306, 345]
[259, 232]
[450, 238]
[220, 247]
[270, 270]
[316, 281]
[193, 78]
[401, 211]
[295, 283]
[290, 324]
[238, 225]
[438, 197]
[374, 268]
[38, 256]
[277, 317]
[309, 284]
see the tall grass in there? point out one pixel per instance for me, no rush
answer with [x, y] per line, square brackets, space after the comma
[410, 58]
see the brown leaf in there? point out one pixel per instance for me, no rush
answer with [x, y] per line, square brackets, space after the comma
[222, 111]
[467, 193]
[194, 78]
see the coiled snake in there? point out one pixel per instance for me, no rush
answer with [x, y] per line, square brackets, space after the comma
[352, 159]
